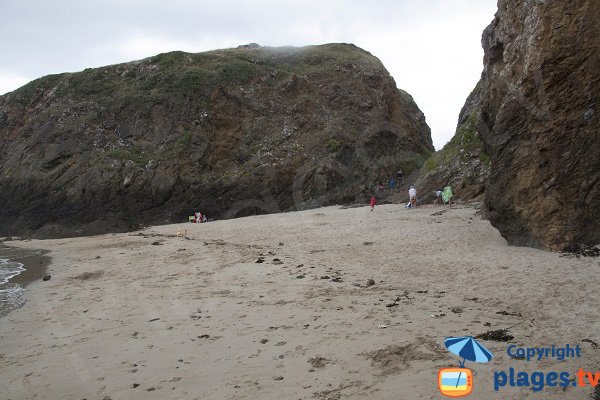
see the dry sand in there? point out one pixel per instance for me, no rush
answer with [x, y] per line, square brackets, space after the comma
[197, 317]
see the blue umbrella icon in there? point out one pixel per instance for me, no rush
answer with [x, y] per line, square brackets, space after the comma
[469, 349]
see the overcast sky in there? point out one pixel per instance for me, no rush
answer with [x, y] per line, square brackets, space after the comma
[432, 48]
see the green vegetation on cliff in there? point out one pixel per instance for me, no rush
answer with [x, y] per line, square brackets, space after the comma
[462, 162]
[462, 146]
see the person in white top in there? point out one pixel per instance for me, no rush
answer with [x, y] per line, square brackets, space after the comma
[438, 197]
[412, 194]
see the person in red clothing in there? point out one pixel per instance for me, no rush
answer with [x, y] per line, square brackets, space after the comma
[373, 200]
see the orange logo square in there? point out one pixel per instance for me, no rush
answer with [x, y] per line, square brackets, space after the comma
[455, 382]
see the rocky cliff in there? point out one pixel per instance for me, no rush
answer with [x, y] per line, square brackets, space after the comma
[230, 132]
[539, 122]
[461, 163]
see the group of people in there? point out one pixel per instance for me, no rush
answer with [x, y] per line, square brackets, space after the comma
[379, 194]
[199, 217]
[444, 196]
[441, 196]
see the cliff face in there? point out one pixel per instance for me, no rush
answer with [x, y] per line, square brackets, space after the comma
[539, 122]
[461, 163]
[230, 132]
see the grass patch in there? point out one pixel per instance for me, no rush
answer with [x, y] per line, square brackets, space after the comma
[333, 145]
[484, 158]
[185, 140]
[127, 154]
[430, 164]
[462, 147]
[168, 60]
[177, 76]
[408, 166]
[254, 148]
[27, 93]
[464, 144]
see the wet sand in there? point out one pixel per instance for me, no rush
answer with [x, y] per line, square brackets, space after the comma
[281, 307]
[35, 262]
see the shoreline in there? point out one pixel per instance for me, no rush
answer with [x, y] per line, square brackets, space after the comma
[35, 265]
[34, 262]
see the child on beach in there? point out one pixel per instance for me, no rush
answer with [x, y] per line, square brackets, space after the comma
[373, 200]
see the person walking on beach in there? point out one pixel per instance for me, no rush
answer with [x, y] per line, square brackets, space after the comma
[392, 183]
[399, 179]
[372, 202]
[380, 191]
[447, 195]
[412, 194]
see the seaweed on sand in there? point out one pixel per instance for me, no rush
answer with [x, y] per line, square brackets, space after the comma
[499, 335]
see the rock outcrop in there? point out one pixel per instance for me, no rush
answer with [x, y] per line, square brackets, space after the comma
[461, 163]
[230, 132]
[539, 122]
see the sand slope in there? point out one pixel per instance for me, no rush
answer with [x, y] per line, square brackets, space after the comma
[197, 317]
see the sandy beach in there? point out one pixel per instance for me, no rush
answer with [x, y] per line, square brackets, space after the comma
[280, 307]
